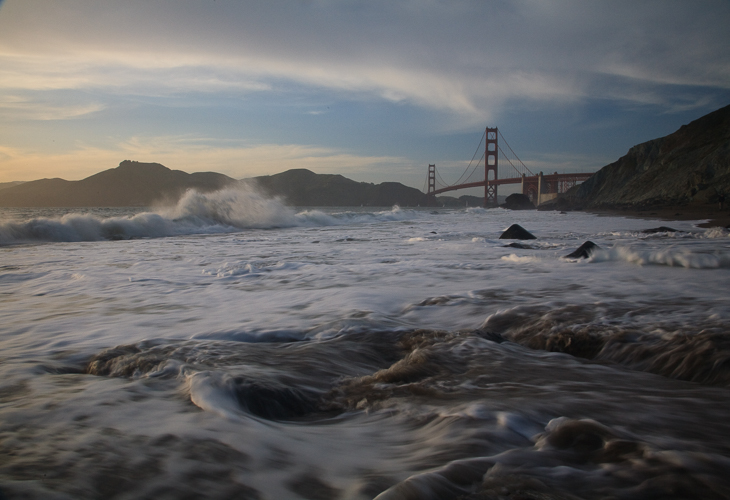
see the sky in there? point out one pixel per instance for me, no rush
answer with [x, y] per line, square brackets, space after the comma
[371, 89]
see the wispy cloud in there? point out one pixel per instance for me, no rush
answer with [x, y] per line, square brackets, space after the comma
[22, 108]
[465, 57]
[421, 71]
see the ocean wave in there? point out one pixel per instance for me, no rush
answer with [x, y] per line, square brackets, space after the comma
[715, 232]
[520, 259]
[225, 211]
[572, 459]
[696, 350]
[239, 269]
[319, 218]
[672, 257]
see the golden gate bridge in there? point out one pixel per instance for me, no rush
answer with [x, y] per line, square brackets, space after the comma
[538, 187]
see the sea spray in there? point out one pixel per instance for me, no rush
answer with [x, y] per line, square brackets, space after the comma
[241, 207]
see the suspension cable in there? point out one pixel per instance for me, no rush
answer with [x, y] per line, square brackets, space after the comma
[508, 161]
[472, 159]
[515, 155]
[443, 183]
[476, 166]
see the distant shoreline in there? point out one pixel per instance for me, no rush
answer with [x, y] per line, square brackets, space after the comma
[712, 214]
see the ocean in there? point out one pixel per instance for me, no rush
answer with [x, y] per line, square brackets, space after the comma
[231, 347]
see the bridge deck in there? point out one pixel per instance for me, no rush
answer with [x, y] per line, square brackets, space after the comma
[549, 178]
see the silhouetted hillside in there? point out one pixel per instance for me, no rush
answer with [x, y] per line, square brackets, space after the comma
[130, 184]
[144, 184]
[464, 201]
[301, 187]
[692, 165]
[5, 185]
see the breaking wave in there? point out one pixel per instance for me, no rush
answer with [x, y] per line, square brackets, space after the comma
[225, 211]
[670, 257]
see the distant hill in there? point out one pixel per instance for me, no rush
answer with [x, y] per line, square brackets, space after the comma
[464, 201]
[143, 184]
[131, 184]
[4, 185]
[304, 188]
[690, 166]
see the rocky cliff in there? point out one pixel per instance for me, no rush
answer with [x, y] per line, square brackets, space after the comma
[690, 166]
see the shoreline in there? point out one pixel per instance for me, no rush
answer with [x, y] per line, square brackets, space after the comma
[713, 216]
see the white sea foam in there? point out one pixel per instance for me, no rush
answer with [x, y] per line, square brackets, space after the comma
[716, 232]
[335, 303]
[517, 259]
[210, 392]
[239, 207]
[225, 211]
[673, 257]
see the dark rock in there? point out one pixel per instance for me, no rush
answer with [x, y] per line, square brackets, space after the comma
[519, 245]
[584, 251]
[660, 229]
[518, 201]
[517, 232]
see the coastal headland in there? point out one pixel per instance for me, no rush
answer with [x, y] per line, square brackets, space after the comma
[682, 176]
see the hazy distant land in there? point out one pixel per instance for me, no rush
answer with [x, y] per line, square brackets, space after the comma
[687, 170]
[136, 184]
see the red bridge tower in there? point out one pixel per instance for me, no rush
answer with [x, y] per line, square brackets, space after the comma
[490, 165]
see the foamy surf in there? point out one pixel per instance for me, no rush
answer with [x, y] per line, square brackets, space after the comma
[673, 257]
[357, 352]
[226, 211]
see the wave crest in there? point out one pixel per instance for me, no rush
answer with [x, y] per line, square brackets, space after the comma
[669, 257]
[239, 207]
[227, 210]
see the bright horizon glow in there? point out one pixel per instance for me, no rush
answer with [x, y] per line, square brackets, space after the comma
[372, 90]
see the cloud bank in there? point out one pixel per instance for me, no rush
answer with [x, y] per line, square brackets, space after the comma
[463, 63]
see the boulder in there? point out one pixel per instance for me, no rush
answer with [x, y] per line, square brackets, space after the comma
[517, 232]
[584, 251]
[518, 201]
[523, 246]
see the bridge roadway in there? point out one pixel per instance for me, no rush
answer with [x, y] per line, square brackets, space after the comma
[538, 187]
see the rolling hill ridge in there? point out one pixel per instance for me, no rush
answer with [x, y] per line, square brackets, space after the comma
[137, 184]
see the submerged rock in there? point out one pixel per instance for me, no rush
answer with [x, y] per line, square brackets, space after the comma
[523, 246]
[517, 232]
[660, 229]
[584, 251]
[518, 201]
